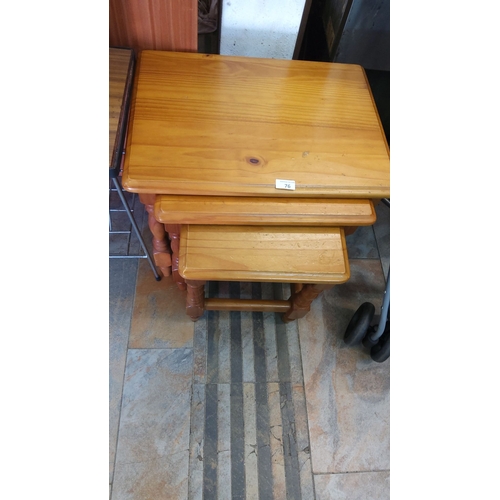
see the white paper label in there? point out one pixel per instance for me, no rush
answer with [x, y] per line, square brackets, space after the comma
[282, 184]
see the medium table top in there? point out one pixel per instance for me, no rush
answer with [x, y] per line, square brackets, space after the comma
[205, 124]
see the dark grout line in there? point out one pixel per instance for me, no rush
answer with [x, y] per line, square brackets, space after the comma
[349, 472]
[306, 411]
[157, 348]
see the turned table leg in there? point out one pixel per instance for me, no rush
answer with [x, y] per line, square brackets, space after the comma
[348, 230]
[302, 299]
[161, 252]
[195, 299]
[174, 231]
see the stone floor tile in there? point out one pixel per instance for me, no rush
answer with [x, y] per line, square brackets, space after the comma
[353, 486]
[159, 319]
[362, 244]
[347, 393]
[381, 229]
[196, 443]
[122, 277]
[152, 455]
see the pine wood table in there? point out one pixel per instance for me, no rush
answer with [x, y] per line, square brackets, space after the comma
[240, 142]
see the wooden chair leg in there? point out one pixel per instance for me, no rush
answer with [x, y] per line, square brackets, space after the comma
[195, 299]
[301, 301]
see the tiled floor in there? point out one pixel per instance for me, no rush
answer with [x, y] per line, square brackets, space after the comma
[241, 405]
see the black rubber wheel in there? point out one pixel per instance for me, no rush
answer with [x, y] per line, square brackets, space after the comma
[359, 324]
[381, 350]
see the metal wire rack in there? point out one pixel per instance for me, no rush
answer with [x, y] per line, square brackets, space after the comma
[126, 241]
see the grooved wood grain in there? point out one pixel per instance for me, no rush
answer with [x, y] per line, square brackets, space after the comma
[119, 62]
[257, 211]
[266, 253]
[154, 24]
[205, 124]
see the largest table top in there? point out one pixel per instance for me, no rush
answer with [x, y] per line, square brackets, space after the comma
[205, 124]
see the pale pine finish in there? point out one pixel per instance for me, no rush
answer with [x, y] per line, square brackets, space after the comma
[218, 125]
[263, 253]
[257, 211]
[210, 135]
[119, 63]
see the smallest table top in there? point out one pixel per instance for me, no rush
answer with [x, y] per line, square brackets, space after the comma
[279, 254]
[121, 71]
